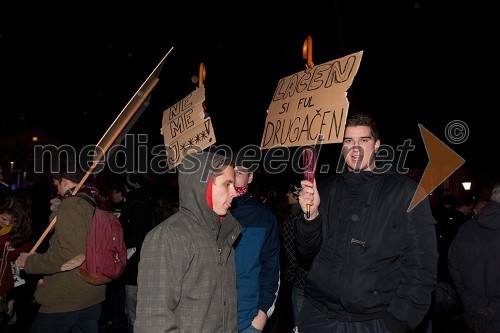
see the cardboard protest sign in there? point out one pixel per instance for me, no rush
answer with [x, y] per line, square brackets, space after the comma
[186, 128]
[310, 107]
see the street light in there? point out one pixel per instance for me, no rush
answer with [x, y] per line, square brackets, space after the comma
[466, 185]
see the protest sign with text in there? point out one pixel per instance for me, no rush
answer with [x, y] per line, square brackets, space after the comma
[186, 128]
[310, 107]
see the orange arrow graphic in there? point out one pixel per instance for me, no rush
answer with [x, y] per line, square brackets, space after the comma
[442, 163]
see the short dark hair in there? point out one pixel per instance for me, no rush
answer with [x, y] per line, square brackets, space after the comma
[221, 166]
[70, 170]
[362, 119]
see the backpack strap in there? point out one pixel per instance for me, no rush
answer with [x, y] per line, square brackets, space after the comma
[86, 199]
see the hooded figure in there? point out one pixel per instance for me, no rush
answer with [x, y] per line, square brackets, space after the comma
[473, 261]
[187, 277]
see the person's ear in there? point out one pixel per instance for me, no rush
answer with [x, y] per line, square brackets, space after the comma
[250, 177]
[65, 183]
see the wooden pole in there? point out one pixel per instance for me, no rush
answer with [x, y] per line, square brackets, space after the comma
[116, 132]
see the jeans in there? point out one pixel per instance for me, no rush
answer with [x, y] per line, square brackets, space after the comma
[131, 304]
[80, 321]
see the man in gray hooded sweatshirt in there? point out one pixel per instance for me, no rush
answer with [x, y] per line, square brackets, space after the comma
[187, 276]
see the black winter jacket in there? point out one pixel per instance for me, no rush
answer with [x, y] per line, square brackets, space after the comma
[138, 219]
[372, 258]
[474, 264]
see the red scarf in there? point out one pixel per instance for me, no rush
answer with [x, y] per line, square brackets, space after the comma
[240, 190]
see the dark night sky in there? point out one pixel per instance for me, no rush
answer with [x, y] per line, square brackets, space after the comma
[70, 75]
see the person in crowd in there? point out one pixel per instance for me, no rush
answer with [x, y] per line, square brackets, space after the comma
[473, 261]
[447, 227]
[138, 220]
[187, 274]
[257, 255]
[444, 205]
[66, 301]
[478, 206]
[4, 187]
[15, 232]
[113, 315]
[117, 197]
[457, 215]
[296, 266]
[374, 259]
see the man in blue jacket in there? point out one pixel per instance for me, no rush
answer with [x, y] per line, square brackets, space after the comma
[256, 255]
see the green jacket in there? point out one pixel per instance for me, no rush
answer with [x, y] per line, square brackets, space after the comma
[187, 275]
[65, 291]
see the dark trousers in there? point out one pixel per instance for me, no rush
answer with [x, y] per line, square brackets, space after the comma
[311, 320]
[479, 321]
[25, 307]
[81, 321]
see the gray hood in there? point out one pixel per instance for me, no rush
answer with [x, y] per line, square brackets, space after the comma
[194, 172]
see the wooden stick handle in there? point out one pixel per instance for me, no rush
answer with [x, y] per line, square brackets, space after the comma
[105, 143]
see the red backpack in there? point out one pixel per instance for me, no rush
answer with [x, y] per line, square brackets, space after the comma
[106, 252]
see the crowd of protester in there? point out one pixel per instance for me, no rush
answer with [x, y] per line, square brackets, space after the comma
[142, 204]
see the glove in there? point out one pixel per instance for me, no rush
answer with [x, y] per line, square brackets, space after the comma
[54, 204]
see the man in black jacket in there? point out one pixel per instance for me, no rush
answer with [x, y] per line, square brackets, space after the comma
[375, 262]
[473, 261]
[137, 220]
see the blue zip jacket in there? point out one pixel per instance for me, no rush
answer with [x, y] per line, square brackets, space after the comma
[257, 259]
